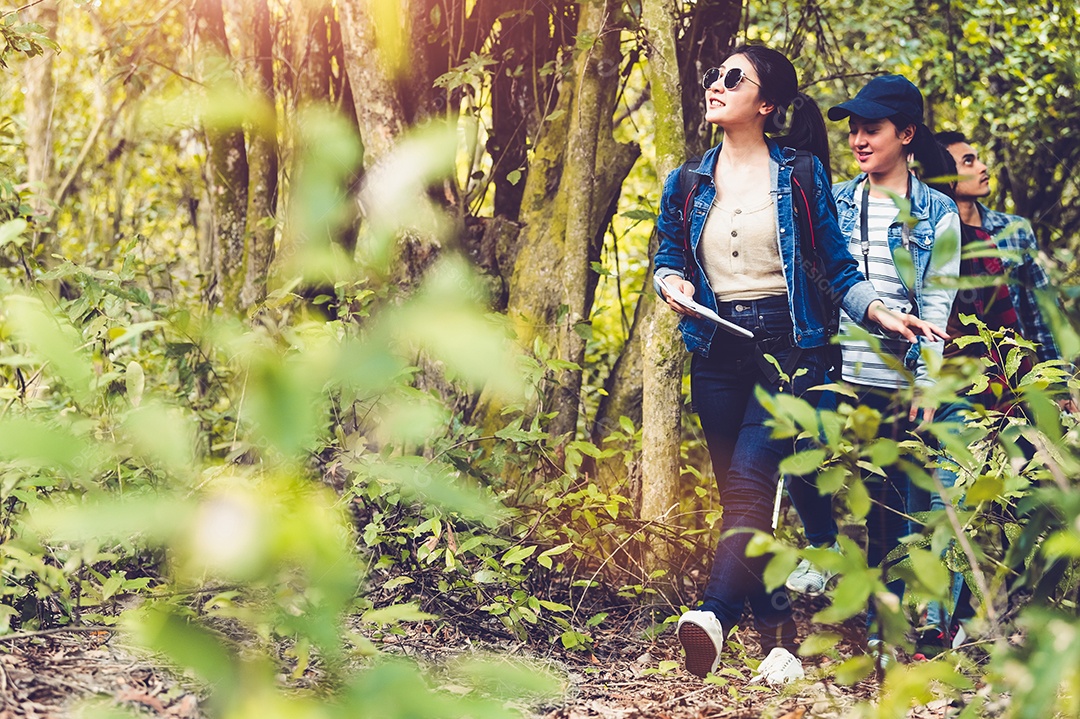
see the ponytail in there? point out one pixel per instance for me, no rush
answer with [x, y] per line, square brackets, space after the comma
[804, 131]
[936, 166]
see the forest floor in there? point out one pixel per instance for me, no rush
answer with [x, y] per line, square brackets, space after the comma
[628, 676]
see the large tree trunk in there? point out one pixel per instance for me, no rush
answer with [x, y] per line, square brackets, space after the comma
[40, 88]
[226, 169]
[587, 113]
[663, 353]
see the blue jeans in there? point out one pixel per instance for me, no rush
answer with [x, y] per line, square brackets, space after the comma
[815, 510]
[746, 457]
[890, 496]
[938, 614]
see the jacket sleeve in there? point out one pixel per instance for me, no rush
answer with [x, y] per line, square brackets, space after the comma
[670, 257]
[937, 297]
[845, 281]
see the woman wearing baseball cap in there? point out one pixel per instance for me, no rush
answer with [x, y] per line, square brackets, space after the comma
[888, 138]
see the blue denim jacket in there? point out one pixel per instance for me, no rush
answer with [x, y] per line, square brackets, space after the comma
[932, 211]
[843, 278]
[1014, 236]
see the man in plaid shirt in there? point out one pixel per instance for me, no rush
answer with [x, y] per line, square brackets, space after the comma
[1008, 305]
[1012, 234]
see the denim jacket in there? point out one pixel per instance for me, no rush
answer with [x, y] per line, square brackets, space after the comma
[1015, 238]
[842, 280]
[931, 210]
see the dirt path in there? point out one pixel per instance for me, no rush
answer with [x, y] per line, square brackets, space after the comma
[626, 677]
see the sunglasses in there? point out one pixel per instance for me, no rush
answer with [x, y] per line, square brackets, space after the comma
[732, 78]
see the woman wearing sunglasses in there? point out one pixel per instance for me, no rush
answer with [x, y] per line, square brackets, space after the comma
[738, 255]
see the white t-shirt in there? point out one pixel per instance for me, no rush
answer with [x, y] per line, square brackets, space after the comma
[861, 364]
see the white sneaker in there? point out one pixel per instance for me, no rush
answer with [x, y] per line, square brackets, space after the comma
[779, 668]
[884, 659]
[702, 638]
[808, 579]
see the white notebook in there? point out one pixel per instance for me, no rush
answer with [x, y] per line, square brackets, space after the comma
[679, 297]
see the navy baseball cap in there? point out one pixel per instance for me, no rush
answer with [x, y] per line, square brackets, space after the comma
[883, 97]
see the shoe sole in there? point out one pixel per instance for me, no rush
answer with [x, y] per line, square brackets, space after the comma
[699, 649]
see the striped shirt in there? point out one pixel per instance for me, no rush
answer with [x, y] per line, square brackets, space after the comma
[861, 364]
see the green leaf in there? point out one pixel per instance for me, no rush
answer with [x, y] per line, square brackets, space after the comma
[804, 462]
[848, 598]
[986, 488]
[395, 614]
[11, 232]
[930, 571]
[518, 555]
[854, 670]
[831, 479]
[858, 499]
[639, 215]
[818, 643]
[134, 382]
[883, 452]
[544, 559]
[778, 569]
[54, 339]
[905, 266]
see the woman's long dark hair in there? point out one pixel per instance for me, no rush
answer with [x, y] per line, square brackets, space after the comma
[936, 166]
[796, 121]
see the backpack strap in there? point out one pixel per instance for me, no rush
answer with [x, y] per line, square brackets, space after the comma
[803, 187]
[688, 184]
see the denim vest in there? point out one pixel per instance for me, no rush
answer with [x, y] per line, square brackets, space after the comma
[928, 209]
[842, 277]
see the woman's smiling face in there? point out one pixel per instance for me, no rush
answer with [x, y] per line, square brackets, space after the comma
[743, 104]
[877, 144]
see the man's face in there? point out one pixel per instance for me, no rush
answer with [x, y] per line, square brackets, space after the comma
[974, 177]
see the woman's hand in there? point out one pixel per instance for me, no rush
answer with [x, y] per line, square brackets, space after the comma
[927, 411]
[903, 324]
[678, 284]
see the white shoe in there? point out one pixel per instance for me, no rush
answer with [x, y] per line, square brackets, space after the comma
[702, 638]
[779, 668]
[884, 659]
[808, 579]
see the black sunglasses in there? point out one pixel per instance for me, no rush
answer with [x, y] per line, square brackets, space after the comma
[732, 78]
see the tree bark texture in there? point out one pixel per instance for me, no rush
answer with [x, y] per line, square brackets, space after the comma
[227, 177]
[662, 352]
[262, 154]
[379, 112]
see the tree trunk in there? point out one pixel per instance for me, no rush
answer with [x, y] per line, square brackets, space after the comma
[262, 160]
[227, 173]
[40, 88]
[512, 103]
[663, 355]
[587, 113]
[379, 112]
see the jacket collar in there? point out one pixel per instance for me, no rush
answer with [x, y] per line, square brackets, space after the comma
[779, 155]
[993, 221]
